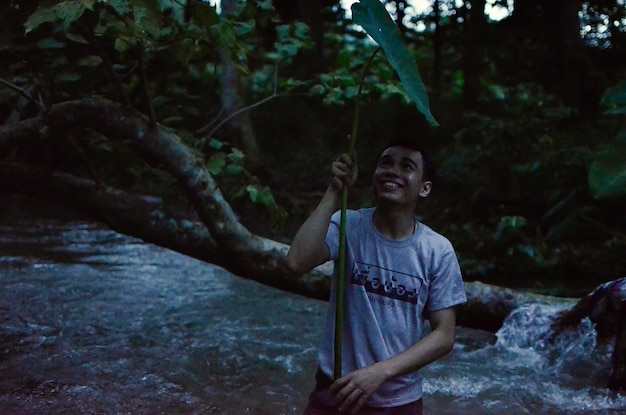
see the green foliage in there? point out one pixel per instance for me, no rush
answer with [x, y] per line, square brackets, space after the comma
[262, 195]
[607, 173]
[372, 16]
[291, 40]
[78, 40]
[142, 17]
[227, 165]
[530, 191]
[67, 12]
[341, 86]
[614, 100]
[530, 207]
[146, 19]
[510, 225]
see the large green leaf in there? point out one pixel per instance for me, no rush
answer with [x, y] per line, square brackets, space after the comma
[147, 18]
[374, 19]
[121, 7]
[607, 173]
[65, 11]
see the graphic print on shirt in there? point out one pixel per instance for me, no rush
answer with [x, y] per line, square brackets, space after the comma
[386, 282]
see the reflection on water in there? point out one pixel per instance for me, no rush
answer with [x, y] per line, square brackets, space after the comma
[93, 322]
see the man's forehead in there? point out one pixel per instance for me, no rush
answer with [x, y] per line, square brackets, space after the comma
[399, 151]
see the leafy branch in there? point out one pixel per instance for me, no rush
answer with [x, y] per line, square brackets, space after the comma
[38, 102]
[201, 131]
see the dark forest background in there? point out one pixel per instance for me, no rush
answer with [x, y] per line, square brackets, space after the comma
[531, 147]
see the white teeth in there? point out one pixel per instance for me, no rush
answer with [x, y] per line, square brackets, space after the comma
[390, 185]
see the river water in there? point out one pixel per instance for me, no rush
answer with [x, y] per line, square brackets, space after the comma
[94, 322]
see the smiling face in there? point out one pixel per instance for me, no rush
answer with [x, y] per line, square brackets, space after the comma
[398, 178]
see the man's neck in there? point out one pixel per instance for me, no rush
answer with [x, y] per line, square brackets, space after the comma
[395, 224]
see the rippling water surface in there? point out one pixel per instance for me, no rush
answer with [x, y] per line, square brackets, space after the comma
[93, 322]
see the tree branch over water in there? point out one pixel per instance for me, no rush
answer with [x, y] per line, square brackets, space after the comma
[218, 237]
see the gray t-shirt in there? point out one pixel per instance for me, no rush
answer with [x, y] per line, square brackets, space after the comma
[389, 286]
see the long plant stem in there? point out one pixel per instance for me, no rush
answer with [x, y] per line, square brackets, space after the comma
[341, 271]
[143, 76]
[25, 94]
[275, 94]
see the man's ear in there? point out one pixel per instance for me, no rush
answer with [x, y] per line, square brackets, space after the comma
[426, 188]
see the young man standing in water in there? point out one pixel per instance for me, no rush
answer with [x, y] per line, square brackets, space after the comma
[398, 272]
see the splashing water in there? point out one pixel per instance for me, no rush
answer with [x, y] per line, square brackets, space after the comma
[526, 368]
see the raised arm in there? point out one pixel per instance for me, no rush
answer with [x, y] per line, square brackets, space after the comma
[308, 249]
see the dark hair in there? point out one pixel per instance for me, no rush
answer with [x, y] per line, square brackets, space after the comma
[428, 164]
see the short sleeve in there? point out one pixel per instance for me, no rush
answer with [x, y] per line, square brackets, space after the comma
[332, 235]
[446, 285]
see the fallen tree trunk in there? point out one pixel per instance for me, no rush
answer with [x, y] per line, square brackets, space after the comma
[218, 237]
[146, 219]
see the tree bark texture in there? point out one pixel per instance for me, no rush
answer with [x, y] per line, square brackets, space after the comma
[217, 237]
[239, 127]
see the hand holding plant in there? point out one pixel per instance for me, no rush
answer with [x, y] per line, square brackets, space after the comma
[345, 171]
[372, 16]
